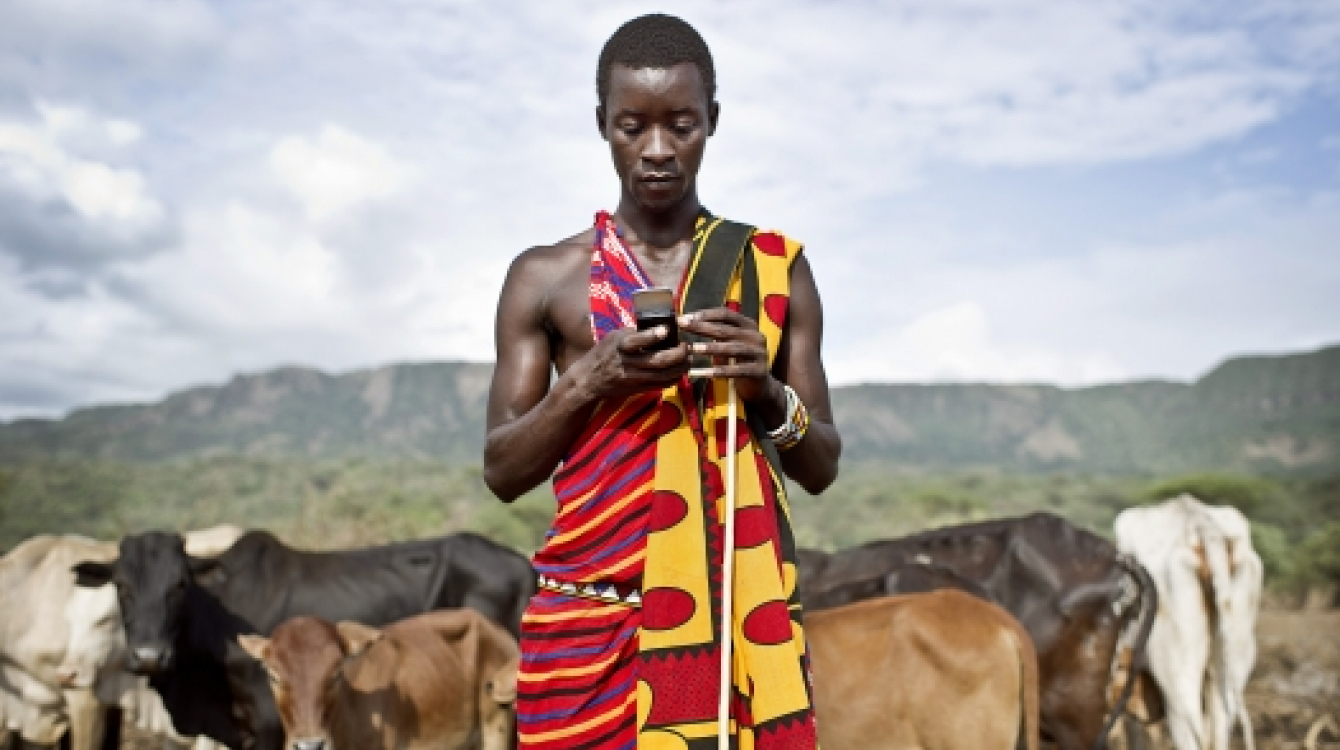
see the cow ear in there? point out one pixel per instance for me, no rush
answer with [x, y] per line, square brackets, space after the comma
[257, 646]
[356, 637]
[92, 575]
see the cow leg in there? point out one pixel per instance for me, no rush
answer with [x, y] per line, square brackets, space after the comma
[1134, 734]
[111, 733]
[87, 719]
[1218, 720]
[1179, 653]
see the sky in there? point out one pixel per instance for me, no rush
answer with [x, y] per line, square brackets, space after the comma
[1058, 191]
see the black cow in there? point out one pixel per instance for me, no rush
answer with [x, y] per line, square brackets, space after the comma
[1069, 588]
[911, 578]
[182, 615]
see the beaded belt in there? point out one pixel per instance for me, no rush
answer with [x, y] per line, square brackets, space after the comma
[610, 593]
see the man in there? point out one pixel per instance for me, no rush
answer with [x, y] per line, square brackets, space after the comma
[622, 646]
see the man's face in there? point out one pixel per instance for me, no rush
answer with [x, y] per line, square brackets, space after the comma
[657, 121]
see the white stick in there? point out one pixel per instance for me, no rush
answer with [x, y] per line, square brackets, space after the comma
[727, 575]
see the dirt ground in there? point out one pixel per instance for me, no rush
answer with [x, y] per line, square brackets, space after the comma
[1295, 686]
[1296, 682]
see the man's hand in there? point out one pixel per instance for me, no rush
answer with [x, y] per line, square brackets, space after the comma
[620, 364]
[738, 350]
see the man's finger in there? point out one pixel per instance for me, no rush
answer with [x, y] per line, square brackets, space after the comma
[744, 370]
[716, 315]
[722, 331]
[739, 349]
[639, 340]
[659, 360]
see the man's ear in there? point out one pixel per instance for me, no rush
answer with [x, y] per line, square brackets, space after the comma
[356, 637]
[257, 646]
[713, 113]
[92, 575]
[600, 121]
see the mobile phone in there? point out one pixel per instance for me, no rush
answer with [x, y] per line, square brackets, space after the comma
[655, 306]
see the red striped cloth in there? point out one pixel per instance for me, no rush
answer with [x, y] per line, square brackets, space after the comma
[578, 667]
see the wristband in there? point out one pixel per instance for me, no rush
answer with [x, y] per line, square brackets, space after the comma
[797, 422]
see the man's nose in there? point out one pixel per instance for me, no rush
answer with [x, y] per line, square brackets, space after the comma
[658, 150]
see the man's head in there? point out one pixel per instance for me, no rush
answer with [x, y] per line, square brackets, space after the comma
[657, 90]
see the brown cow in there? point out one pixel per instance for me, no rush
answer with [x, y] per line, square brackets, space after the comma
[443, 680]
[935, 671]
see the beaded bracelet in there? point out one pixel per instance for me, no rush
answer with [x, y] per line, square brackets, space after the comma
[797, 422]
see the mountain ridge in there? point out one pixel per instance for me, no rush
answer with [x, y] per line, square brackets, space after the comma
[1256, 413]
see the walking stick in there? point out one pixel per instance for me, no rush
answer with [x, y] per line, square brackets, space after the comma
[727, 574]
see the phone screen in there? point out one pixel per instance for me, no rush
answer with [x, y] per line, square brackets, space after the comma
[653, 307]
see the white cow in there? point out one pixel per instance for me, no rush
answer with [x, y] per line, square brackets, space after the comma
[35, 583]
[1203, 644]
[62, 646]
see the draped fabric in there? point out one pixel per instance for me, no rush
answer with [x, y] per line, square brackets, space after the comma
[640, 503]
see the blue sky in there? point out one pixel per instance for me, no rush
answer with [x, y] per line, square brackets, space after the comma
[1003, 190]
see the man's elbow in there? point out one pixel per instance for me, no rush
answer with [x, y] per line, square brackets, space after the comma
[498, 484]
[816, 483]
[823, 472]
[503, 482]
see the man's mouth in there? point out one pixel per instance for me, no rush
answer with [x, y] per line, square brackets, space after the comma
[659, 178]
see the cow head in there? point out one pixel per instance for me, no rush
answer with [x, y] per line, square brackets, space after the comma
[96, 637]
[304, 660]
[152, 576]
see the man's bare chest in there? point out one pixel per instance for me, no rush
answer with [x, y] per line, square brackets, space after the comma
[568, 308]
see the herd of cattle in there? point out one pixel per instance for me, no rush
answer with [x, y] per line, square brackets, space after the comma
[996, 635]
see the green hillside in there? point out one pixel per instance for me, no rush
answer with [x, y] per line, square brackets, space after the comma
[433, 410]
[393, 453]
[1278, 415]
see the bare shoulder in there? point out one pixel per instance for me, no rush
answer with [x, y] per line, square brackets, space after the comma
[542, 278]
[549, 260]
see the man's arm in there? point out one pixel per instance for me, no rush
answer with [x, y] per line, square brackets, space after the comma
[813, 462]
[520, 401]
[531, 426]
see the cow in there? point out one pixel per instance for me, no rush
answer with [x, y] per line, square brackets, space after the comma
[1202, 646]
[183, 614]
[912, 578]
[1069, 589]
[60, 670]
[444, 680]
[942, 670]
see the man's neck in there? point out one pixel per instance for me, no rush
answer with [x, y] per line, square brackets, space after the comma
[659, 229]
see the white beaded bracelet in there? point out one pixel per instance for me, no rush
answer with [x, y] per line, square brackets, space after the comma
[792, 429]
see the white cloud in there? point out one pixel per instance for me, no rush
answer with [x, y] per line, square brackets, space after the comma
[346, 183]
[105, 44]
[334, 170]
[36, 159]
[955, 343]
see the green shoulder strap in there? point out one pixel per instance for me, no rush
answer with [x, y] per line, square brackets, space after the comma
[725, 248]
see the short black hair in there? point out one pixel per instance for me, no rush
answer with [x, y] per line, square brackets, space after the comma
[655, 40]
